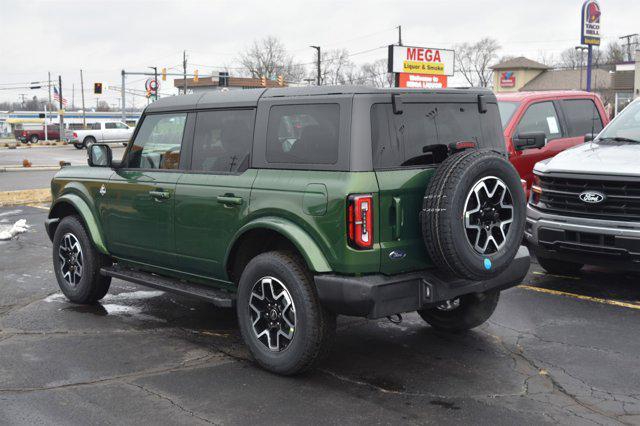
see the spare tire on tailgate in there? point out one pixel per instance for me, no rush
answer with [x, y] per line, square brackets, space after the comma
[473, 214]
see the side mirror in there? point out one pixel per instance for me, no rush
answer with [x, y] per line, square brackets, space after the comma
[529, 140]
[589, 137]
[99, 155]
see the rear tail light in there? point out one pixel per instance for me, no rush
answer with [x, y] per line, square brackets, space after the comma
[75, 135]
[24, 134]
[360, 221]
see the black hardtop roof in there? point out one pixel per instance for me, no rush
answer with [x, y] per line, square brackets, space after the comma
[250, 97]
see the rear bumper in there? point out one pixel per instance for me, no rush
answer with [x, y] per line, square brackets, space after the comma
[378, 296]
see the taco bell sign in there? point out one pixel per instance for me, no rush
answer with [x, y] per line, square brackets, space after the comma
[590, 23]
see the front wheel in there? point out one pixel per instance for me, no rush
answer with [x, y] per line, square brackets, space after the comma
[280, 316]
[77, 263]
[463, 313]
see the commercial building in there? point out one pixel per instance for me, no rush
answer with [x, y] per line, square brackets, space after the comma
[205, 84]
[617, 84]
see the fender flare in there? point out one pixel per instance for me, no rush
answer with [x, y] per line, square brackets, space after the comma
[310, 251]
[87, 213]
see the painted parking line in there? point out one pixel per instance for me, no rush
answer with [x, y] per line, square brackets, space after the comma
[582, 297]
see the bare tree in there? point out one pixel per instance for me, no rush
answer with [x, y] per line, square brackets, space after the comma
[103, 106]
[614, 53]
[336, 67]
[573, 58]
[473, 60]
[268, 57]
[376, 74]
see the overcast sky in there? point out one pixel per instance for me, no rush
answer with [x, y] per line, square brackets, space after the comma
[103, 37]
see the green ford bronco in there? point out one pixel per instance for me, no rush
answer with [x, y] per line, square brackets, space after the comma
[295, 205]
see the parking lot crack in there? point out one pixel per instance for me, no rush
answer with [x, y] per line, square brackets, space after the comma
[172, 402]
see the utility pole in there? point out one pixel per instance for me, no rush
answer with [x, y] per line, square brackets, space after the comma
[22, 95]
[318, 63]
[84, 114]
[581, 49]
[73, 96]
[60, 114]
[124, 118]
[49, 87]
[399, 35]
[628, 38]
[184, 70]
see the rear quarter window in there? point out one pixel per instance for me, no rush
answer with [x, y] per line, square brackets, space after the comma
[303, 134]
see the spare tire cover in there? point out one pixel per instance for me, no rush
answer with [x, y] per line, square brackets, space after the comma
[473, 214]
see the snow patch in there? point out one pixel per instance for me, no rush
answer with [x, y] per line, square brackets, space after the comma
[134, 295]
[8, 232]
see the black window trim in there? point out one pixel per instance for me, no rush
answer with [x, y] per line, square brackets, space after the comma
[187, 133]
[188, 166]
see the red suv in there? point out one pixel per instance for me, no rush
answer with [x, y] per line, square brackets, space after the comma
[539, 125]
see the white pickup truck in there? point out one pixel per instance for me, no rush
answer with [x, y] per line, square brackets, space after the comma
[107, 132]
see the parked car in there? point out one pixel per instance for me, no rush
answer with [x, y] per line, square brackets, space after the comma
[585, 202]
[107, 132]
[298, 204]
[35, 134]
[539, 125]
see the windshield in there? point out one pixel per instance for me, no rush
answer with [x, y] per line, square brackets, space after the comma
[506, 111]
[625, 125]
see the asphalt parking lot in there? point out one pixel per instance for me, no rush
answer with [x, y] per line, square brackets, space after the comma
[558, 349]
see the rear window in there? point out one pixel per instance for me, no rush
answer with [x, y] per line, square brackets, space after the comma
[422, 133]
[582, 117]
[303, 134]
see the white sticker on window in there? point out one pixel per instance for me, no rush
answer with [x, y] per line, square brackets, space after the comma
[553, 125]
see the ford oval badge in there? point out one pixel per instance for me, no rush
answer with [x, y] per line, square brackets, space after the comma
[397, 254]
[592, 197]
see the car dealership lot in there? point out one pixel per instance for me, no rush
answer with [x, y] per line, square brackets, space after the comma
[558, 349]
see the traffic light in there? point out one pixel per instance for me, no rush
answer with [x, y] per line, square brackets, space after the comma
[164, 74]
[195, 76]
[263, 81]
[97, 88]
[280, 80]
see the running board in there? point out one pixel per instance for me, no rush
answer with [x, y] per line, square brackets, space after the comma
[218, 297]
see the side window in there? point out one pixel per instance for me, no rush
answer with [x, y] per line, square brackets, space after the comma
[110, 126]
[157, 144]
[582, 117]
[223, 140]
[121, 125]
[93, 126]
[540, 117]
[303, 134]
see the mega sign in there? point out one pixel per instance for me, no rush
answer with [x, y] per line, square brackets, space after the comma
[419, 81]
[590, 23]
[421, 60]
[507, 79]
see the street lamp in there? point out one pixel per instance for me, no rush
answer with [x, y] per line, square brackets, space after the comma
[318, 61]
[581, 49]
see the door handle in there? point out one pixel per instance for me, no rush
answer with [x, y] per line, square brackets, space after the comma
[397, 207]
[229, 200]
[160, 195]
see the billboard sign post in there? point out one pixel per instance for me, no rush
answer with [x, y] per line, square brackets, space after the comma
[590, 32]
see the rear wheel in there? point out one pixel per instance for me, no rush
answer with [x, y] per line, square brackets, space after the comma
[34, 139]
[88, 141]
[77, 263]
[560, 267]
[462, 313]
[280, 316]
[78, 145]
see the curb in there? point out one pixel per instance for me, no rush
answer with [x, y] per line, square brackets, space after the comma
[25, 196]
[27, 169]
